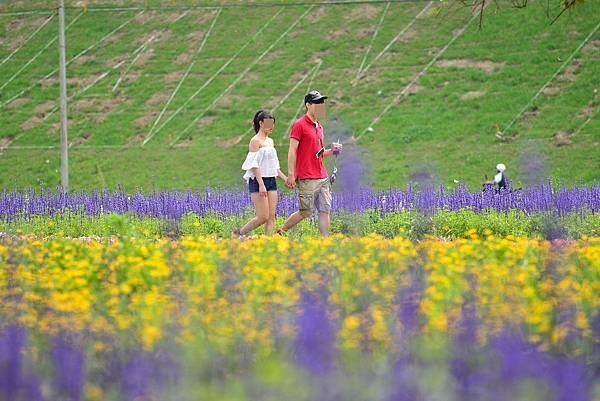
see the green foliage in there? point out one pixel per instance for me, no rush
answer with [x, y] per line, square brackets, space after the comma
[453, 224]
[76, 225]
[408, 224]
[211, 224]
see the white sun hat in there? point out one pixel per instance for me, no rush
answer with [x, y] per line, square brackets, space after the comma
[500, 167]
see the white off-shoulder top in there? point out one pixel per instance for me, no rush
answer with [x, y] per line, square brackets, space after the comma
[265, 159]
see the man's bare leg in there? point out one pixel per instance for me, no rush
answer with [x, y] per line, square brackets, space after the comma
[324, 224]
[294, 219]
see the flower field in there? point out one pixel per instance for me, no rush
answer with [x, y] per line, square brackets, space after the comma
[428, 292]
[480, 317]
[175, 204]
[540, 211]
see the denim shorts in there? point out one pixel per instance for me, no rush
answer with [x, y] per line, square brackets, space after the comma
[270, 184]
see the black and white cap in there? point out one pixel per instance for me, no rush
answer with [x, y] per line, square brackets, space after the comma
[314, 97]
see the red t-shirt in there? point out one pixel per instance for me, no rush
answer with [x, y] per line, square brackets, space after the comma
[310, 137]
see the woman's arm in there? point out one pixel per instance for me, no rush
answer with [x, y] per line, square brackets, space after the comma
[279, 172]
[262, 190]
[255, 147]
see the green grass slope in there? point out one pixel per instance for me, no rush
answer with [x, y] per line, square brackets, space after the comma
[445, 98]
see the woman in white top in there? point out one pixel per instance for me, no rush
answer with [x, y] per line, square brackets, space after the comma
[262, 169]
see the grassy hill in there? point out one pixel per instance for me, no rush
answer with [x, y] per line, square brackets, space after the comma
[442, 97]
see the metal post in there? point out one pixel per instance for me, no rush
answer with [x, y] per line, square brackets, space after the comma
[64, 156]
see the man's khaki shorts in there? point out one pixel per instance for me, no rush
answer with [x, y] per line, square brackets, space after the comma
[314, 193]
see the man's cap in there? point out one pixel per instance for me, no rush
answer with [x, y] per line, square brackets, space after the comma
[314, 97]
[501, 167]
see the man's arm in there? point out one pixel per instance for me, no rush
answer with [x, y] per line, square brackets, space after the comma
[330, 151]
[293, 149]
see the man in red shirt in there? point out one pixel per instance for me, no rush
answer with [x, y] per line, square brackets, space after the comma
[305, 165]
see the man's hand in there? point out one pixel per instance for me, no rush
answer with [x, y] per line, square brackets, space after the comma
[290, 182]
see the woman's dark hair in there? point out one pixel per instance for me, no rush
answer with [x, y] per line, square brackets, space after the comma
[261, 115]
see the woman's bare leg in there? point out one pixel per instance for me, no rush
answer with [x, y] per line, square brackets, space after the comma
[261, 204]
[270, 226]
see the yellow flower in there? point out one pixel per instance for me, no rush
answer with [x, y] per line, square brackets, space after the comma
[439, 322]
[93, 392]
[150, 334]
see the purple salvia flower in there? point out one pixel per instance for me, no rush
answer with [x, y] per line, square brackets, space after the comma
[518, 359]
[69, 367]
[470, 376]
[32, 389]
[403, 373]
[12, 341]
[136, 376]
[569, 380]
[315, 339]
[408, 305]
[404, 379]
[533, 165]
[352, 197]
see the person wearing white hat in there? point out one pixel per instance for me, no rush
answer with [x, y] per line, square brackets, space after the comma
[500, 178]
